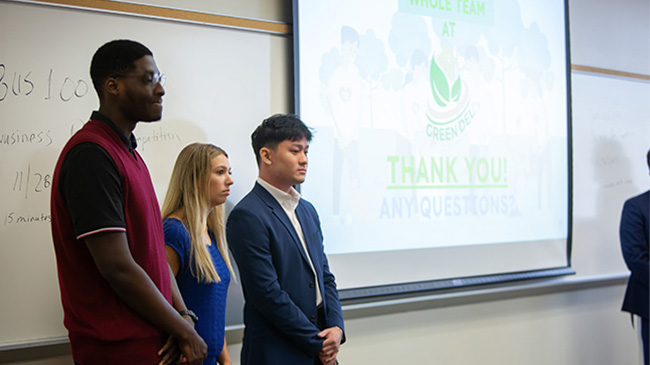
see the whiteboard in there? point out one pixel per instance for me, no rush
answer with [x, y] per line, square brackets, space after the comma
[611, 136]
[218, 89]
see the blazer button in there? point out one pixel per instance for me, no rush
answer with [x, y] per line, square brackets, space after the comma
[311, 285]
[312, 318]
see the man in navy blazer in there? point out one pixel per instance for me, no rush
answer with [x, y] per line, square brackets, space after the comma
[292, 312]
[634, 232]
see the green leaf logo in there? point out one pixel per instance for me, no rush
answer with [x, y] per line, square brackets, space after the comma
[442, 94]
[455, 90]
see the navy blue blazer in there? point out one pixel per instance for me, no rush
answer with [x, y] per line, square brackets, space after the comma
[278, 283]
[634, 231]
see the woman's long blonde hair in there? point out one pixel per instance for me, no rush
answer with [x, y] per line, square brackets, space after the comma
[188, 196]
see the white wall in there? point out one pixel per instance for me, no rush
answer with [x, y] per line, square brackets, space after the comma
[583, 327]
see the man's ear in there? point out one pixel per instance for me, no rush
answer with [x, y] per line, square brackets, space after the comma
[111, 86]
[265, 155]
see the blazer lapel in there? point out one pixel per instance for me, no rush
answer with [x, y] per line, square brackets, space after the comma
[307, 228]
[281, 215]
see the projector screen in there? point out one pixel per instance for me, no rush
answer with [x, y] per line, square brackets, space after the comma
[441, 150]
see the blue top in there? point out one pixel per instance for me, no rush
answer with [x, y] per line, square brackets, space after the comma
[208, 301]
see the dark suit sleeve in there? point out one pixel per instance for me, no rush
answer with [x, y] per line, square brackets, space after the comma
[249, 240]
[634, 240]
[334, 314]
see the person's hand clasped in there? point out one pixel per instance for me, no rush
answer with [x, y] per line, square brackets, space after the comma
[333, 337]
[325, 362]
[194, 351]
[170, 352]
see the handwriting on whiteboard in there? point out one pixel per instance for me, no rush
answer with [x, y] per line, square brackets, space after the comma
[26, 137]
[27, 181]
[25, 83]
[18, 218]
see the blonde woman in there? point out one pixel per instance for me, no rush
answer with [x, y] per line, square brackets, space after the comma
[193, 222]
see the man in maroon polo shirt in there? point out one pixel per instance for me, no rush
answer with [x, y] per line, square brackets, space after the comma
[120, 303]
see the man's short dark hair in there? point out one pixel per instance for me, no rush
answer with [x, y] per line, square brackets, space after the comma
[648, 157]
[115, 58]
[276, 129]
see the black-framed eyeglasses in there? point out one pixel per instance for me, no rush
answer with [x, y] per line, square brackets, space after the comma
[156, 78]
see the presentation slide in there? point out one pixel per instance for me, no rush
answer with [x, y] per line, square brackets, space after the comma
[439, 124]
